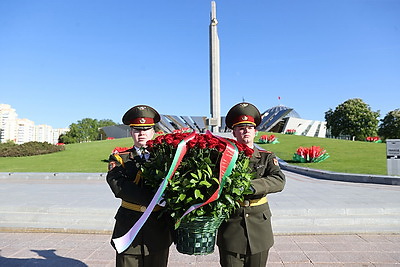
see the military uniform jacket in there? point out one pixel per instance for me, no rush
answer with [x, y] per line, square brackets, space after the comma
[155, 233]
[248, 230]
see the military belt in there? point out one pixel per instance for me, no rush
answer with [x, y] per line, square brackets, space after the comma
[137, 207]
[253, 202]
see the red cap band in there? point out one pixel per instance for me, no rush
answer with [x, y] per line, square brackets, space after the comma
[243, 119]
[142, 122]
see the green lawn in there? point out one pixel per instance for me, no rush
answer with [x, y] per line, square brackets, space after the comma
[84, 157]
[345, 156]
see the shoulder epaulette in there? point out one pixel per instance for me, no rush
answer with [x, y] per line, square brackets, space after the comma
[120, 150]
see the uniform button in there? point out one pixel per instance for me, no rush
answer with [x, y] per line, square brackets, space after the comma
[247, 215]
[142, 208]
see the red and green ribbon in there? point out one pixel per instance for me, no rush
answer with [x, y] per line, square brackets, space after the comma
[227, 163]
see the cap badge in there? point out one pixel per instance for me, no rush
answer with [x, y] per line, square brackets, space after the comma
[142, 120]
[141, 108]
[245, 118]
[244, 105]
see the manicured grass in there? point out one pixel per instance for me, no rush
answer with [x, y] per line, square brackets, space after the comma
[84, 157]
[345, 156]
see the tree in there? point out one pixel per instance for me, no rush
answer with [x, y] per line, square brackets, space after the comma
[353, 117]
[104, 123]
[85, 130]
[390, 125]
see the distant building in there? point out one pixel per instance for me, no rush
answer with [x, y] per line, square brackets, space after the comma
[57, 133]
[281, 119]
[167, 124]
[26, 131]
[277, 119]
[23, 130]
[44, 133]
[8, 123]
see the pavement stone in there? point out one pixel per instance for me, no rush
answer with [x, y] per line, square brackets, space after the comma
[67, 249]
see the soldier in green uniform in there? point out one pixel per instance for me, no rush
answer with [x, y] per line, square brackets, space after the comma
[246, 237]
[150, 248]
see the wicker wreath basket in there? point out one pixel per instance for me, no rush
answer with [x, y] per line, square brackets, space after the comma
[197, 237]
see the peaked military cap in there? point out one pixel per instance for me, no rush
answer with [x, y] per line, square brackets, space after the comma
[243, 114]
[141, 117]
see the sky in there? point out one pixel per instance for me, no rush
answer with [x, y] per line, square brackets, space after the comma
[65, 60]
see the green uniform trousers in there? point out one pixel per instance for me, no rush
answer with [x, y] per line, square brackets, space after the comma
[154, 259]
[231, 259]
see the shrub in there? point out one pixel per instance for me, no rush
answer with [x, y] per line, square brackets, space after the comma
[28, 149]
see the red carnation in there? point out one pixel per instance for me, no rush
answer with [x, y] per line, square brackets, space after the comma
[192, 143]
[175, 143]
[150, 143]
[202, 144]
[159, 139]
[168, 139]
[212, 143]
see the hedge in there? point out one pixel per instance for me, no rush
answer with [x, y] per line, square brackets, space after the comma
[10, 149]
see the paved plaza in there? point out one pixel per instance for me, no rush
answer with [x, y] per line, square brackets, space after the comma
[66, 220]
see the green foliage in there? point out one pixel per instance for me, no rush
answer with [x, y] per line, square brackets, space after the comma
[106, 122]
[10, 149]
[84, 130]
[354, 118]
[390, 125]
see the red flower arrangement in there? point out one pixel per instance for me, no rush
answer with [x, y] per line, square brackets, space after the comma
[182, 130]
[268, 139]
[310, 154]
[290, 131]
[374, 139]
[196, 178]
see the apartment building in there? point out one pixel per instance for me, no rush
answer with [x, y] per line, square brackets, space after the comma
[24, 130]
[8, 123]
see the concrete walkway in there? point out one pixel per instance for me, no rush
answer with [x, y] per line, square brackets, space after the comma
[66, 220]
[64, 249]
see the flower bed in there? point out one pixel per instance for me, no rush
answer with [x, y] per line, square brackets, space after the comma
[290, 131]
[268, 139]
[373, 139]
[310, 154]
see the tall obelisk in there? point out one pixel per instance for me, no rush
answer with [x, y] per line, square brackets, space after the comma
[215, 109]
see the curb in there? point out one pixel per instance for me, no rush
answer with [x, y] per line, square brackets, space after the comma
[339, 176]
